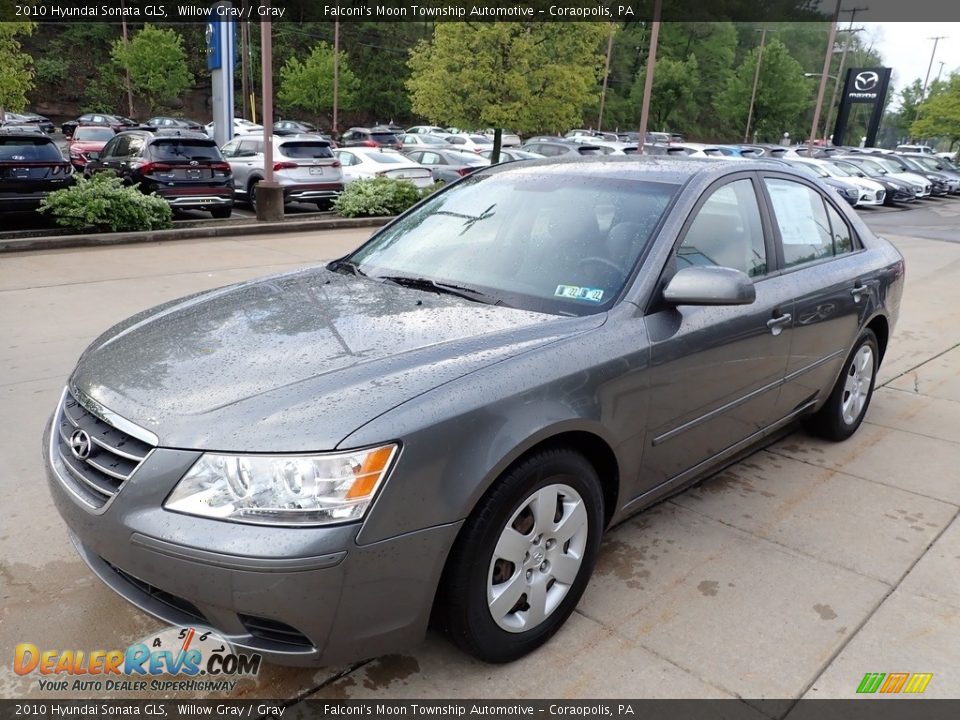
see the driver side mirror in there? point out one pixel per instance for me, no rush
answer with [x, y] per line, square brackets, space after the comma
[93, 155]
[710, 285]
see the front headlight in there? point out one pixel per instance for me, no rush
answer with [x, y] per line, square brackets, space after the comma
[283, 489]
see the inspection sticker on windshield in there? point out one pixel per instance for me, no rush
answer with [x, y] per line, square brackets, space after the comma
[574, 292]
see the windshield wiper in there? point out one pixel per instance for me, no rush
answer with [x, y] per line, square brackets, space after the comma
[338, 265]
[422, 283]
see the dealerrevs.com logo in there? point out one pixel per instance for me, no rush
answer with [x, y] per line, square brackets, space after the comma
[205, 660]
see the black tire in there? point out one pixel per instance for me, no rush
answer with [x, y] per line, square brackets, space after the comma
[252, 193]
[221, 213]
[829, 422]
[324, 205]
[462, 604]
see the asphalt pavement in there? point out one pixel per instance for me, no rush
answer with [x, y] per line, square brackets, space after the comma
[788, 575]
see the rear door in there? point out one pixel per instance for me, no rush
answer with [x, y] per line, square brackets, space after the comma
[716, 371]
[820, 256]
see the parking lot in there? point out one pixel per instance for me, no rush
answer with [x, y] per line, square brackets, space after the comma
[788, 575]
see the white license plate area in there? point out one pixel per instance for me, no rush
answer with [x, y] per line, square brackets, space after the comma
[316, 170]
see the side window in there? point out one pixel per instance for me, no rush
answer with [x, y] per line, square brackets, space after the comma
[230, 149]
[111, 147]
[121, 149]
[456, 140]
[429, 158]
[727, 232]
[135, 148]
[346, 159]
[842, 239]
[802, 219]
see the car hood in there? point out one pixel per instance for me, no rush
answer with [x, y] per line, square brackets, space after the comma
[87, 145]
[297, 362]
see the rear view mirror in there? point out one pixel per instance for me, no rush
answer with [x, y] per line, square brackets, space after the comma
[710, 285]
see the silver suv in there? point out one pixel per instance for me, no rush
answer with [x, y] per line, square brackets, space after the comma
[303, 164]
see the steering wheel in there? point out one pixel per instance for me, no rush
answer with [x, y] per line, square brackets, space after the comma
[596, 259]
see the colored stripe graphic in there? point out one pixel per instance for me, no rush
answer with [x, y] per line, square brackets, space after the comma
[894, 682]
[870, 682]
[918, 682]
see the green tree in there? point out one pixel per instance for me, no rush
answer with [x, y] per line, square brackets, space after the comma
[16, 67]
[783, 95]
[671, 99]
[157, 63]
[940, 114]
[525, 76]
[309, 85]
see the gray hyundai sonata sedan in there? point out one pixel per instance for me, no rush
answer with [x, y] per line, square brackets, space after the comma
[441, 425]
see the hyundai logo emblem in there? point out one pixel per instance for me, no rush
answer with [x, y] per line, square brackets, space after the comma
[80, 444]
[866, 80]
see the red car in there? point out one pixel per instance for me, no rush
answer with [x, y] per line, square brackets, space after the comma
[86, 139]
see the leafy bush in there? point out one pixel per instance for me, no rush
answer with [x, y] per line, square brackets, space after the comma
[105, 203]
[376, 197]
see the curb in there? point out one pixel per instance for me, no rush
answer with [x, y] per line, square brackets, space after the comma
[57, 242]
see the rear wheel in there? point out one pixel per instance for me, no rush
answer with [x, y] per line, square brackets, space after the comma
[524, 557]
[847, 405]
[324, 205]
[221, 213]
[252, 193]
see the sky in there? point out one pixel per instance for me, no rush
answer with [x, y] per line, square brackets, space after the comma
[906, 47]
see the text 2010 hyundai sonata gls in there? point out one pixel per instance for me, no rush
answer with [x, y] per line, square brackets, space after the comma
[444, 422]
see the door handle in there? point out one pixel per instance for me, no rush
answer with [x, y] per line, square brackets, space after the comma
[777, 324]
[858, 291]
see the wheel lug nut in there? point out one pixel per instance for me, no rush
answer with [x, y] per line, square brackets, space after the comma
[544, 566]
[529, 575]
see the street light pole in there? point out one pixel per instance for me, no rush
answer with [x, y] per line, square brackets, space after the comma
[606, 75]
[823, 78]
[843, 59]
[126, 68]
[756, 80]
[336, 72]
[648, 82]
[923, 93]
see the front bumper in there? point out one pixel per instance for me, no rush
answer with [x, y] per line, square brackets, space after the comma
[297, 596]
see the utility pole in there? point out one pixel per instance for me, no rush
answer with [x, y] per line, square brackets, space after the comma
[336, 73]
[648, 82]
[756, 81]
[823, 78]
[244, 62]
[126, 68]
[843, 59]
[606, 75]
[923, 93]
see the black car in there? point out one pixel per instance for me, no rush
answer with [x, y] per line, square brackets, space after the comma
[114, 122]
[31, 166]
[171, 123]
[560, 148]
[371, 137]
[184, 168]
[32, 119]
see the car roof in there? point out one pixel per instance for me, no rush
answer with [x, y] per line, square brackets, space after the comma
[23, 132]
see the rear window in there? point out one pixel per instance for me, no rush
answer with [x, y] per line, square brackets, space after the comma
[590, 151]
[382, 137]
[180, 149]
[480, 139]
[38, 149]
[306, 149]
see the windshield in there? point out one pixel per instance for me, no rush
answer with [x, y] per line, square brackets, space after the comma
[929, 163]
[848, 169]
[814, 170]
[94, 134]
[892, 165]
[558, 242]
[834, 170]
[387, 158]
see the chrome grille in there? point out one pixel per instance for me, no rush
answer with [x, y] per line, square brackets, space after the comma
[114, 455]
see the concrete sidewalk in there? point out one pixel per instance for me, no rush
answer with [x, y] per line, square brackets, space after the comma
[788, 575]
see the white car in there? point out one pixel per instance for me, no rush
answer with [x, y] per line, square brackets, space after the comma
[871, 192]
[921, 149]
[476, 143]
[241, 126]
[427, 130]
[303, 164]
[363, 162]
[421, 140]
[609, 147]
[896, 171]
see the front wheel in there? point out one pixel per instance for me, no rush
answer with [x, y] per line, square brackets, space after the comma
[847, 405]
[524, 557]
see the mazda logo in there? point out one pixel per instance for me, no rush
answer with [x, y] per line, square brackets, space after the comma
[866, 80]
[194, 163]
[80, 444]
